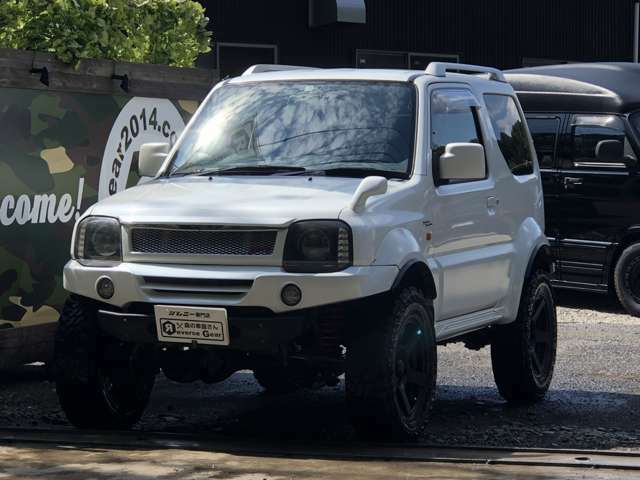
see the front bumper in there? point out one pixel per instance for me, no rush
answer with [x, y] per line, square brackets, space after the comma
[250, 330]
[225, 286]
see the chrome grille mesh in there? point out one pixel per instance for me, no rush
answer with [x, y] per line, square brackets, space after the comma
[199, 241]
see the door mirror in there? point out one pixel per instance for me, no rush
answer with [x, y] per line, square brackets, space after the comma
[609, 151]
[462, 161]
[151, 158]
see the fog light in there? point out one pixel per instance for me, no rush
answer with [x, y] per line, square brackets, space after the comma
[105, 288]
[291, 295]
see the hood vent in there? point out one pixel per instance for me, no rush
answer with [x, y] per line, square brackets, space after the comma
[327, 12]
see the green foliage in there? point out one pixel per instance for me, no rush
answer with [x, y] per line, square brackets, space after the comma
[170, 32]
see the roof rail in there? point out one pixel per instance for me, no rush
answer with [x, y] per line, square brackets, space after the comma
[439, 69]
[273, 68]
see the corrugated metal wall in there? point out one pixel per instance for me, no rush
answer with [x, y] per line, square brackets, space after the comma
[491, 32]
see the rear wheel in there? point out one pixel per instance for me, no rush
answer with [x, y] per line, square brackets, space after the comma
[391, 369]
[627, 279]
[523, 353]
[101, 383]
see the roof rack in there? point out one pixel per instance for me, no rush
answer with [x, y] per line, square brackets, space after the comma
[261, 68]
[440, 69]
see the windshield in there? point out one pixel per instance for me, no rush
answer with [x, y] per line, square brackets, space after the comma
[302, 126]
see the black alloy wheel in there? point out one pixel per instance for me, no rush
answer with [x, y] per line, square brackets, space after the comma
[523, 353]
[541, 338]
[412, 370]
[101, 383]
[627, 279]
[124, 381]
[391, 367]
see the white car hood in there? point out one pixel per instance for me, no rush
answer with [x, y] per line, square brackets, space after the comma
[250, 200]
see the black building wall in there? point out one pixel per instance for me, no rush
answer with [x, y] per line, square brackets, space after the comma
[491, 32]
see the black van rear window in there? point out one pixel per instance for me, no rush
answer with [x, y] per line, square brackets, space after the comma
[511, 132]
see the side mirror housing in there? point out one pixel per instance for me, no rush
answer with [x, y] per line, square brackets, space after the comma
[151, 158]
[610, 151]
[369, 187]
[462, 161]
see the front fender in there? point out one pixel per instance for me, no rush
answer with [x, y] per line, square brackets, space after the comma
[398, 247]
[527, 242]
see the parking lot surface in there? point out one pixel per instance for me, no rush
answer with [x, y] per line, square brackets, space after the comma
[594, 402]
[81, 461]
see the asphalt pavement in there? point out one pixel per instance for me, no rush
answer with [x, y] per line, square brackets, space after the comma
[594, 402]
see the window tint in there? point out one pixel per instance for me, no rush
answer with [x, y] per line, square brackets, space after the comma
[511, 132]
[598, 141]
[453, 120]
[545, 138]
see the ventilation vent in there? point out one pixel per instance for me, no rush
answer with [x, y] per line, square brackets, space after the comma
[326, 12]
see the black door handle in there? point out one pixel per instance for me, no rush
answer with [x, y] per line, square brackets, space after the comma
[572, 182]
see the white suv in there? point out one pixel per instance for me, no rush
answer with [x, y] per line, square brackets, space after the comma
[310, 223]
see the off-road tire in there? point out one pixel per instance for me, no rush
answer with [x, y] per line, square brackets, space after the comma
[378, 366]
[523, 353]
[84, 361]
[626, 279]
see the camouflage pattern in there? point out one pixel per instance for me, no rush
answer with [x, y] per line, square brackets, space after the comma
[51, 151]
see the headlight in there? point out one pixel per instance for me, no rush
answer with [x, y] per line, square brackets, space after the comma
[318, 246]
[99, 239]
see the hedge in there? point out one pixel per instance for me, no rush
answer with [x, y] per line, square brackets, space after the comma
[169, 32]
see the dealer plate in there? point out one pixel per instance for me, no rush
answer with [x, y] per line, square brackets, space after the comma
[208, 326]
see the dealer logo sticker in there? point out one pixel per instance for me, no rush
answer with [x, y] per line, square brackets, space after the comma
[142, 120]
[169, 328]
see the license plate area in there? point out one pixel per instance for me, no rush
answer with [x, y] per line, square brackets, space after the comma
[206, 326]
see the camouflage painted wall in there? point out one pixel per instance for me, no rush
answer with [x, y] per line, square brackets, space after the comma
[58, 153]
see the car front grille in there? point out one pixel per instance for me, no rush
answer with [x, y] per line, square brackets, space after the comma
[210, 288]
[202, 240]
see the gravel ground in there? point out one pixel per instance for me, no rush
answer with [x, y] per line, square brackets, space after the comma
[594, 402]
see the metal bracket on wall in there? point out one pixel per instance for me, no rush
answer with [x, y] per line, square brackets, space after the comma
[44, 74]
[124, 81]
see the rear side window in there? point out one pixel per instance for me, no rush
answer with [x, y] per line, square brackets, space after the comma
[544, 131]
[511, 132]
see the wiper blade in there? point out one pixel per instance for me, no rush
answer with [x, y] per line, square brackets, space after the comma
[255, 170]
[357, 172]
[246, 170]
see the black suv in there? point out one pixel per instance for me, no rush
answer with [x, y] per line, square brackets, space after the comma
[585, 122]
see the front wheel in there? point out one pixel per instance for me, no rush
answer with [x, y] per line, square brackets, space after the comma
[391, 369]
[101, 383]
[523, 353]
[627, 279]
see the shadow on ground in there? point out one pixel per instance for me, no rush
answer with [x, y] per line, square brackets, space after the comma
[23, 374]
[461, 416]
[605, 303]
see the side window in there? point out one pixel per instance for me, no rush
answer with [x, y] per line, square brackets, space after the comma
[544, 131]
[454, 119]
[598, 141]
[511, 132]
